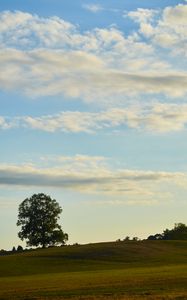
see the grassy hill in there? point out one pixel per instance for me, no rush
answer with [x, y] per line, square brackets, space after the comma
[116, 270]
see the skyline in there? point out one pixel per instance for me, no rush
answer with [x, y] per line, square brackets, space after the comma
[94, 113]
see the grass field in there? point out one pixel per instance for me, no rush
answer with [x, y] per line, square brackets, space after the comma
[121, 270]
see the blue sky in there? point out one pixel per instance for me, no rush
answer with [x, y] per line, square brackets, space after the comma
[93, 111]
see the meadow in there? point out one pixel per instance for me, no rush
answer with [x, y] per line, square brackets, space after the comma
[115, 270]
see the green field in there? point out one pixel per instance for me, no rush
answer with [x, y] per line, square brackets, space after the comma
[120, 270]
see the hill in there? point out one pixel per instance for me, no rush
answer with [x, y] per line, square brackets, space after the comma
[132, 270]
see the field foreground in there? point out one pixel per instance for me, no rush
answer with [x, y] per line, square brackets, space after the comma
[104, 271]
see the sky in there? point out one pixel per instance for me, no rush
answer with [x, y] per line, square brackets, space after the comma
[93, 112]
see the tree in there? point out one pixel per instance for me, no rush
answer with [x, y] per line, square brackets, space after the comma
[179, 232]
[38, 217]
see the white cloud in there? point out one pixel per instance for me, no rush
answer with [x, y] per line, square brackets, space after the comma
[142, 15]
[94, 8]
[77, 162]
[117, 202]
[175, 16]
[92, 175]
[79, 74]
[168, 30]
[2, 123]
[158, 118]
[7, 124]
[48, 56]
[20, 29]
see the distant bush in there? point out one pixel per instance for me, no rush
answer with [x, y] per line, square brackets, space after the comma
[135, 238]
[118, 240]
[157, 236]
[76, 244]
[127, 238]
[19, 248]
[3, 252]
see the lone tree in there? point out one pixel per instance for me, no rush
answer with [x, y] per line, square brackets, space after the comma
[38, 217]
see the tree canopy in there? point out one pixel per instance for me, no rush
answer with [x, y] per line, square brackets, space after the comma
[179, 232]
[38, 217]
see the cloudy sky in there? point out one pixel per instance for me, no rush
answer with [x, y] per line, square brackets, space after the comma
[93, 112]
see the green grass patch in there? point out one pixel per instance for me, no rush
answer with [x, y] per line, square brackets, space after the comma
[123, 270]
